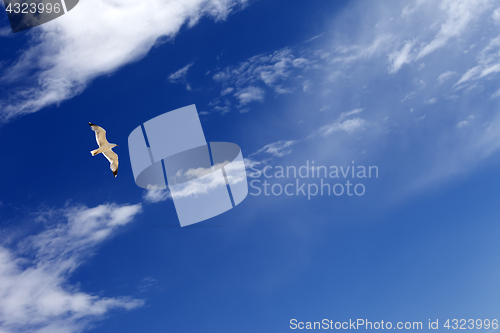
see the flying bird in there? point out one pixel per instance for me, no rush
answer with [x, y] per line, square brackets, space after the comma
[105, 147]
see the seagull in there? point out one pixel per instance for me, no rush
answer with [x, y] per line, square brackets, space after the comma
[105, 147]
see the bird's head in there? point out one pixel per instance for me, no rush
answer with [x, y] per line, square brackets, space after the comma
[115, 145]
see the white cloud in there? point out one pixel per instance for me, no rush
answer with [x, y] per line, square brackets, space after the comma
[431, 101]
[464, 123]
[314, 38]
[269, 69]
[496, 15]
[6, 31]
[412, 8]
[469, 75]
[203, 180]
[252, 166]
[223, 106]
[344, 115]
[445, 76]
[280, 90]
[180, 76]
[250, 94]
[35, 295]
[156, 195]
[404, 42]
[349, 126]
[283, 147]
[251, 77]
[401, 57]
[419, 83]
[401, 48]
[97, 38]
[300, 62]
[325, 107]
[410, 95]
[227, 91]
[196, 181]
[488, 62]
[306, 85]
[421, 118]
[148, 283]
[348, 54]
[460, 13]
[496, 94]
[277, 149]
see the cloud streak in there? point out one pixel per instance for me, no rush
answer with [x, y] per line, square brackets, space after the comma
[277, 149]
[460, 13]
[34, 293]
[180, 76]
[248, 81]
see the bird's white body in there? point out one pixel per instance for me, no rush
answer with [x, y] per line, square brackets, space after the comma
[105, 148]
[102, 149]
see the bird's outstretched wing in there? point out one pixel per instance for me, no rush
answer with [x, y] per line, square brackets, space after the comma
[100, 135]
[113, 160]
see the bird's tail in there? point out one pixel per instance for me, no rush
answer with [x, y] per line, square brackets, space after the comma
[95, 152]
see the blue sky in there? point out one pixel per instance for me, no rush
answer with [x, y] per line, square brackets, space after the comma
[410, 87]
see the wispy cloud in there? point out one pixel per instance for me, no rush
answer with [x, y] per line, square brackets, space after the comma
[408, 96]
[445, 76]
[357, 52]
[325, 107]
[488, 63]
[180, 76]
[496, 15]
[68, 53]
[400, 57]
[277, 149]
[250, 94]
[346, 114]
[314, 38]
[341, 125]
[250, 78]
[349, 126]
[458, 16]
[460, 13]
[421, 118]
[156, 195]
[197, 181]
[6, 31]
[496, 94]
[464, 123]
[147, 284]
[268, 69]
[35, 295]
[203, 180]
